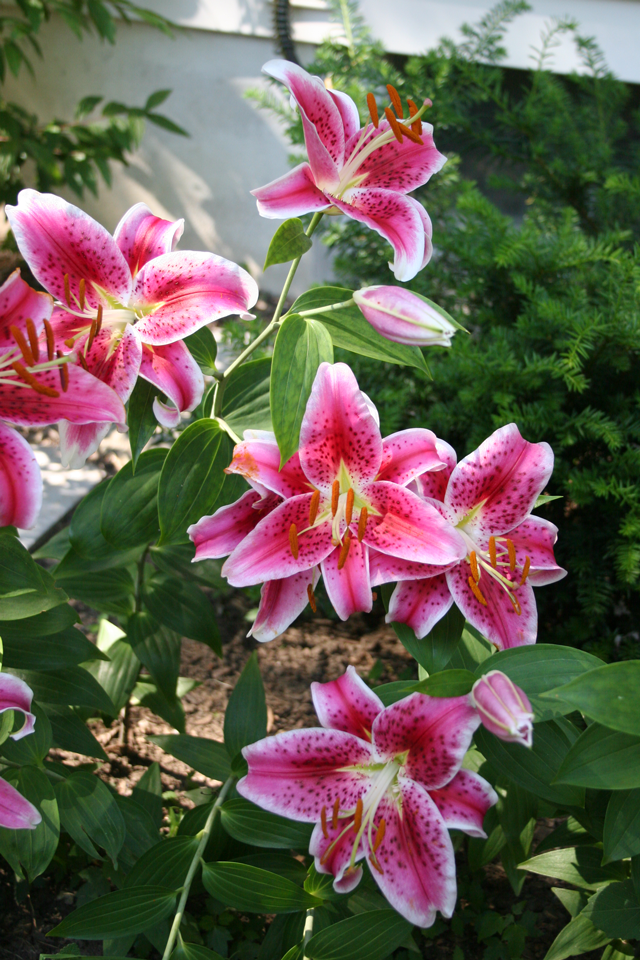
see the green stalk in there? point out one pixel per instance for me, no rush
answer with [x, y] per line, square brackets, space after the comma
[204, 839]
[329, 309]
[308, 930]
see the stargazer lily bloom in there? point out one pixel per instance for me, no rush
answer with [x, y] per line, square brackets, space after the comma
[38, 386]
[16, 813]
[125, 302]
[384, 784]
[488, 497]
[362, 172]
[343, 494]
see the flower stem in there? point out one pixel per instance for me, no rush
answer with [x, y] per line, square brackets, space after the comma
[308, 930]
[217, 400]
[329, 309]
[204, 839]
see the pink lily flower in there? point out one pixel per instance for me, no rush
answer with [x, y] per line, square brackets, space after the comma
[38, 386]
[384, 784]
[504, 708]
[343, 494]
[488, 497]
[364, 173]
[16, 813]
[125, 302]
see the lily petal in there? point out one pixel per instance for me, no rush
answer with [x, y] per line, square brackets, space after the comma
[464, 802]
[347, 704]
[433, 485]
[349, 589]
[290, 195]
[416, 856]
[142, 236]
[333, 854]
[58, 238]
[299, 772]
[172, 368]
[220, 533]
[265, 554]
[497, 485]
[535, 538]
[436, 732]
[188, 289]
[384, 568]
[116, 363]
[16, 813]
[348, 112]
[399, 166]
[281, 601]
[20, 482]
[258, 461]
[498, 621]
[15, 694]
[18, 302]
[407, 527]
[338, 428]
[79, 440]
[407, 454]
[420, 603]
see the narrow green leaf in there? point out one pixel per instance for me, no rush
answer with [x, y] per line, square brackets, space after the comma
[578, 865]
[182, 607]
[288, 243]
[208, 757]
[73, 686]
[129, 514]
[435, 650]
[141, 419]
[471, 651]
[157, 648]
[120, 913]
[118, 676]
[42, 625]
[301, 346]
[29, 852]
[203, 348]
[146, 693]
[621, 837]
[608, 694]
[245, 402]
[245, 719]
[55, 652]
[167, 862]
[616, 911]
[250, 824]
[193, 951]
[249, 888]
[110, 591]
[26, 589]
[373, 935]
[603, 759]
[89, 814]
[578, 937]
[70, 733]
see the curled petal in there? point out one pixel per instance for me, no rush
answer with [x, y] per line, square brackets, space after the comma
[172, 368]
[384, 569]
[433, 485]
[258, 461]
[16, 813]
[142, 236]
[15, 694]
[297, 773]
[346, 704]
[79, 440]
[20, 482]
[535, 538]
[291, 195]
[187, 290]
[338, 428]
[402, 167]
[499, 620]
[19, 302]
[281, 601]
[436, 732]
[464, 802]
[333, 854]
[218, 535]
[407, 454]
[420, 603]
[348, 112]
[58, 238]
[349, 587]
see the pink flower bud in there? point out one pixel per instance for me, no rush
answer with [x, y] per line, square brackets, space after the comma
[504, 708]
[404, 317]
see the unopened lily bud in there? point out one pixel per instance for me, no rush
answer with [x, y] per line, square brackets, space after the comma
[503, 708]
[404, 317]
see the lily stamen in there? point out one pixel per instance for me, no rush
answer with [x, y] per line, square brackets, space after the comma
[474, 566]
[362, 524]
[92, 334]
[373, 110]
[393, 123]
[293, 541]
[379, 837]
[475, 590]
[512, 554]
[396, 102]
[492, 552]
[411, 134]
[373, 860]
[312, 599]
[335, 497]
[357, 819]
[416, 126]
[67, 289]
[28, 378]
[348, 513]
[83, 362]
[23, 346]
[313, 507]
[33, 338]
[63, 371]
[344, 552]
[99, 319]
[82, 287]
[525, 570]
[516, 604]
[48, 329]
[323, 823]
[336, 810]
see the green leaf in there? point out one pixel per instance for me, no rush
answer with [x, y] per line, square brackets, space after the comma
[288, 243]
[437, 648]
[373, 935]
[281, 863]
[245, 719]
[73, 686]
[53, 652]
[249, 888]
[604, 759]
[350, 330]
[70, 733]
[157, 648]
[167, 862]
[182, 607]
[52, 621]
[569, 833]
[203, 348]
[245, 402]
[141, 419]
[616, 911]
[141, 831]
[542, 499]
[193, 951]
[156, 98]
[246, 822]
[208, 757]
[447, 683]
[85, 535]
[117, 677]
[622, 826]
[26, 589]
[577, 938]
[33, 748]
[534, 769]
[120, 913]
[301, 346]
[89, 814]
[192, 478]
[110, 591]
[578, 865]
[29, 852]
[538, 669]
[129, 515]
[146, 693]
[472, 650]
[608, 694]
[166, 124]
[55, 547]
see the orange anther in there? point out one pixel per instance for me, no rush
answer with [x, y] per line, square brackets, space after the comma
[362, 524]
[357, 819]
[344, 553]
[83, 362]
[23, 346]
[63, 370]
[512, 555]
[396, 102]
[70, 342]
[31, 380]
[374, 863]
[379, 837]
[348, 513]
[67, 289]
[475, 590]
[312, 599]
[33, 338]
[373, 110]
[313, 507]
[293, 541]
[48, 329]
[516, 605]
[82, 286]
[336, 811]
[335, 496]
[493, 556]
[99, 319]
[411, 134]
[323, 823]
[92, 335]
[525, 570]
[473, 560]
[416, 126]
[393, 123]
